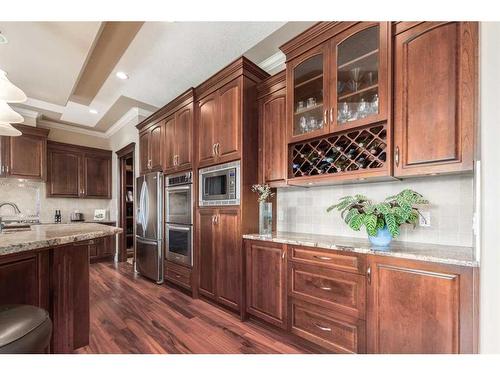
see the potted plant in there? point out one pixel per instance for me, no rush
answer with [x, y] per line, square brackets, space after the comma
[381, 220]
[265, 208]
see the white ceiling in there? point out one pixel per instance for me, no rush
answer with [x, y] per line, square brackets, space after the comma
[163, 60]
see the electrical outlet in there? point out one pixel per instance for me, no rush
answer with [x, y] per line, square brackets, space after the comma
[424, 219]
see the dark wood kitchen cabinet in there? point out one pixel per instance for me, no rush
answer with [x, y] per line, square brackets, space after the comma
[220, 259]
[266, 281]
[24, 156]
[421, 307]
[273, 154]
[166, 137]
[77, 171]
[225, 112]
[337, 78]
[102, 248]
[435, 97]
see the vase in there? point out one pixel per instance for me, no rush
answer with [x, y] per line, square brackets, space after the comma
[265, 219]
[382, 239]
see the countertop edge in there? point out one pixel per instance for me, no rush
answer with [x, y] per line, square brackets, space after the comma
[366, 250]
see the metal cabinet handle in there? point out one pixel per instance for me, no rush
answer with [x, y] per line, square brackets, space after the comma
[327, 329]
[217, 149]
[369, 275]
[178, 276]
[321, 257]
[213, 149]
[213, 219]
[396, 156]
[327, 288]
[331, 115]
[1, 169]
[283, 254]
[325, 116]
[217, 219]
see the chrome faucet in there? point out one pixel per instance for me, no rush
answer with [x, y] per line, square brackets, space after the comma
[13, 205]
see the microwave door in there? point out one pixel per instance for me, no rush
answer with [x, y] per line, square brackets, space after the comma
[215, 186]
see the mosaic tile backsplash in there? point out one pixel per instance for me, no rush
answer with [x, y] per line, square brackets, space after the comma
[303, 210]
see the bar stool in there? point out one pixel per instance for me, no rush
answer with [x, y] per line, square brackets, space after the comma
[24, 329]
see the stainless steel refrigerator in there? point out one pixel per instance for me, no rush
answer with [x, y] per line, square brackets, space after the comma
[149, 227]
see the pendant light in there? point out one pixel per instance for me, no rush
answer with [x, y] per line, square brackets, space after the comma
[9, 92]
[8, 115]
[8, 130]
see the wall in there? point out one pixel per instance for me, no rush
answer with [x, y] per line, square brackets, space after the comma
[303, 210]
[31, 199]
[490, 188]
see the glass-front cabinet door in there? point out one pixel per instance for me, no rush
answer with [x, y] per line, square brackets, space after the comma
[359, 76]
[308, 95]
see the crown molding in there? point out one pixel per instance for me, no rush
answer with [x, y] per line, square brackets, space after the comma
[273, 62]
[26, 112]
[132, 114]
[57, 125]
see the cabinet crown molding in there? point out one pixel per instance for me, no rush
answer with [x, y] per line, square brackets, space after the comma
[271, 84]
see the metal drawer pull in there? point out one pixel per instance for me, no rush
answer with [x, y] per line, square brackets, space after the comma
[325, 288]
[321, 257]
[327, 329]
[178, 276]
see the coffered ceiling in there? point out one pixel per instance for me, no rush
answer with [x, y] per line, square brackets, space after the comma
[68, 69]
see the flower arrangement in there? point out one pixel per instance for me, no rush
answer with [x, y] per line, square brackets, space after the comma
[394, 211]
[264, 192]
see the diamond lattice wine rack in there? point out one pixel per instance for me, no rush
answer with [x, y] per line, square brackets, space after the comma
[354, 152]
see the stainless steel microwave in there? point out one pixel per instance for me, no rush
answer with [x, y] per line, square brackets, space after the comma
[220, 185]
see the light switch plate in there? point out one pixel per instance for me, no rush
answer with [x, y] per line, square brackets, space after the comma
[424, 219]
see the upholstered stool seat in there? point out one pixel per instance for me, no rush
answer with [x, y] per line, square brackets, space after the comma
[24, 329]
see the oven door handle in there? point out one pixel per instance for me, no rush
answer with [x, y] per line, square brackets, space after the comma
[179, 188]
[176, 227]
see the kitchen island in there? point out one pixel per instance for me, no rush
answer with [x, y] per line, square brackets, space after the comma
[48, 266]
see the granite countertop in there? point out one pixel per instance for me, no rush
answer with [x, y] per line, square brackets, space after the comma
[456, 255]
[47, 235]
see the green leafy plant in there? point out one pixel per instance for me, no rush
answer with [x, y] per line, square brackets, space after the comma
[264, 192]
[358, 211]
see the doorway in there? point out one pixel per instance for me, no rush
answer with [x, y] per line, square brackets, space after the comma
[126, 163]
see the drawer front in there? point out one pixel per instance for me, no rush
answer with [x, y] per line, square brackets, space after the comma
[329, 258]
[178, 275]
[338, 333]
[342, 291]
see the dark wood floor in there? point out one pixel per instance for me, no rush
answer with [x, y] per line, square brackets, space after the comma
[132, 315]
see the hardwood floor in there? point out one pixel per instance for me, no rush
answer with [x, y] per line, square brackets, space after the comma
[129, 314]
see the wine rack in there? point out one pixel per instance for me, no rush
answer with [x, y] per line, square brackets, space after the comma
[341, 153]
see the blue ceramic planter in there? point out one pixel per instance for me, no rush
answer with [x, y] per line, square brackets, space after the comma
[382, 239]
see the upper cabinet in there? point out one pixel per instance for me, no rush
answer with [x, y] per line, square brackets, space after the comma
[165, 137]
[24, 156]
[435, 97]
[226, 113]
[78, 172]
[339, 83]
[272, 130]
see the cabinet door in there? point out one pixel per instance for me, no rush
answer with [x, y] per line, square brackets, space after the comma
[183, 137]
[228, 258]
[435, 98]
[207, 118]
[415, 307]
[227, 129]
[25, 156]
[273, 126]
[63, 174]
[266, 281]
[156, 147]
[206, 251]
[144, 152]
[169, 144]
[307, 94]
[96, 176]
[360, 64]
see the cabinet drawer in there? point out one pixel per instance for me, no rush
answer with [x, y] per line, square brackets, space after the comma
[178, 274]
[329, 258]
[341, 291]
[339, 333]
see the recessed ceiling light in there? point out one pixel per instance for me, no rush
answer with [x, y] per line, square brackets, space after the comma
[3, 39]
[93, 111]
[122, 75]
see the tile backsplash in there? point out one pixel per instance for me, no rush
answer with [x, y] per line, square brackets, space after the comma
[30, 197]
[303, 210]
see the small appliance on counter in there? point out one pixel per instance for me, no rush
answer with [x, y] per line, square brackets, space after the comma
[76, 216]
[57, 217]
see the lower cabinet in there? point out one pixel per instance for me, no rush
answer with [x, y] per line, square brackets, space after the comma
[347, 302]
[266, 281]
[179, 275]
[220, 259]
[102, 249]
